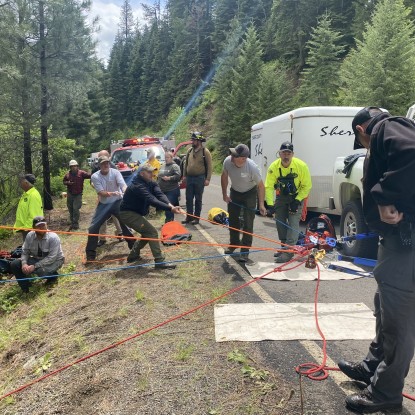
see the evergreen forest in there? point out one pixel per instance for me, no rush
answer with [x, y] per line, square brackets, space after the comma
[216, 66]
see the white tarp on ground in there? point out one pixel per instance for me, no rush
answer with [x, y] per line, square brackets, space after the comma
[293, 321]
[302, 273]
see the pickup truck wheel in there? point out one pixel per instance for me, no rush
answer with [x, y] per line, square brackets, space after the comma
[353, 223]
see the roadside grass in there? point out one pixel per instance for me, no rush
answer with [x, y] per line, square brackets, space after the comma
[178, 363]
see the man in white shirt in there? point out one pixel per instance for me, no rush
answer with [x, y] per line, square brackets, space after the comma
[110, 186]
[41, 255]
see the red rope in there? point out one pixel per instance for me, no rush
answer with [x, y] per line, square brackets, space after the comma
[114, 345]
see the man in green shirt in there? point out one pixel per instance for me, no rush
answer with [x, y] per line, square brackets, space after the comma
[30, 204]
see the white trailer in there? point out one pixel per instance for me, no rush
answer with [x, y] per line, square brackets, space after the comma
[319, 136]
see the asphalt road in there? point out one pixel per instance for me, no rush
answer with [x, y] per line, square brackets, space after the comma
[326, 397]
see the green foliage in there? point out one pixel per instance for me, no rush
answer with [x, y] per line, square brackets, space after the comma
[44, 363]
[238, 88]
[380, 71]
[139, 296]
[56, 183]
[320, 78]
[5, 233]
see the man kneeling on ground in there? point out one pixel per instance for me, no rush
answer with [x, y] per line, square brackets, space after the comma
[142, 193]
[41, 255]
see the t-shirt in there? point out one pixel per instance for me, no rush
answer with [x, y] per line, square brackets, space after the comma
[242, 178]
[111, 182]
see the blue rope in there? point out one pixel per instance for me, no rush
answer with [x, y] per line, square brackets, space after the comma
[150, 264]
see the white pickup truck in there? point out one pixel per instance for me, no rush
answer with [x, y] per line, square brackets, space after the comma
[322, 137]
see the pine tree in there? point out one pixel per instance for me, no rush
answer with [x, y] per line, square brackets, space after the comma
[238, 95]
[275, 91]
[380, 71]
[320, 79]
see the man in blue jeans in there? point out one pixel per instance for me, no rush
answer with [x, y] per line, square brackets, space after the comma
[110, 186]
[197, 172]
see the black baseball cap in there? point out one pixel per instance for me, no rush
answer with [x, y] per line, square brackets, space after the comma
[38, 220]
[287, 146]
[365, 114]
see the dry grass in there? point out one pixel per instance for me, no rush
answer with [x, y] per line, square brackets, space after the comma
[175, 369]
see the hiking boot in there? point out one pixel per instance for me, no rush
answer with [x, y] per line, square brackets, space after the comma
[284, 257]
[229, 251]
[101, 242]
[50, 282]
[133, 257]
[164, 266]
[355, 371]
[365, 403]
[247, 261]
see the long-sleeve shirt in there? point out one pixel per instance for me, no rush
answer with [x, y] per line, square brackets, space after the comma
[48, 249]
[140, 195]
[198, 163]
[30, 205]
[276, 170]
[77, 179]
[111, 182]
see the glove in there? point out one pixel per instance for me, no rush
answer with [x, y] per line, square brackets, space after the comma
[293, 207]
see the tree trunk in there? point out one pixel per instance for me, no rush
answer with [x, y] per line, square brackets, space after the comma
[47, 198]
[27, 144]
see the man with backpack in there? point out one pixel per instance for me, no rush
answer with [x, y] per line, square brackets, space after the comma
[197, 171]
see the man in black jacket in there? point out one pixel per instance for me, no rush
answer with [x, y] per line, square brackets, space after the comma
[142, 193]
[389, 208]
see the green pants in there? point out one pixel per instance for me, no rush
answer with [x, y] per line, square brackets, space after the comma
[141, 225]
[287, 224]
[74, 204]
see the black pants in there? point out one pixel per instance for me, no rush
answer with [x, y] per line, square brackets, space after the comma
[16, 269]
[247, 202]
[391, 351]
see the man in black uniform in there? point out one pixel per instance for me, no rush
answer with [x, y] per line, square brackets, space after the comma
[389, 209]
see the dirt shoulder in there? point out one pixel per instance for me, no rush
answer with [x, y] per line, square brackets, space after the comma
[175, 369]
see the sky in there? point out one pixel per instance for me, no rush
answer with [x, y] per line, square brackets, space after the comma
[109, 12]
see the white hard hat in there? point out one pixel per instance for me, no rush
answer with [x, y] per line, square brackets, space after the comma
[73, 163]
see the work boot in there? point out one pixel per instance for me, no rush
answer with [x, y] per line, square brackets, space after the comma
[284, 257]
[133, 257]
[365, 403]
[355, 371]
[164, 266]
[244, 259]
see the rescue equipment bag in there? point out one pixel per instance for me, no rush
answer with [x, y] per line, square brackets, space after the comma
[320, 233]
[218, 215]
[173, 233]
